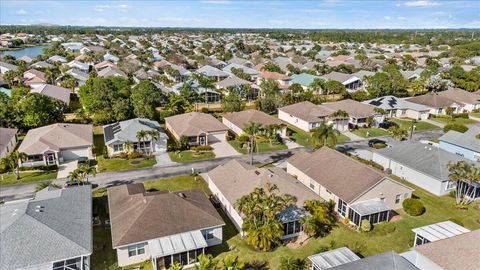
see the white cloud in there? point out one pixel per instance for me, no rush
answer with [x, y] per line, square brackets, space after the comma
[419, 3]
[387, 17]
[102, 8]
[21, 12]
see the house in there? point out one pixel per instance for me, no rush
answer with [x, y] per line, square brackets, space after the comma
[199, 128]
[248, 70]
[469, 100]
[437, 103]
[358, 113]
[57, 143]
[57, 59]
[80, 76]
[53, 91]
[352, 83]
[41, 64]
[282, 79]
[111, 71]
[117, 134]
[237, 121]
[72, 47]
[423, 165]
[234, 179]
[306, 80]
[27, 59]
[232, 81]
[111, 58]
[182, 73]
[104, 64]
[455, 253]
[465, 144]
[344, 259]
[304, 115]
[438, 231]
[34, 78]
[161, 226]
[213, 73]
[359, 191]
[51, 231]
[8, 141]
[78, 65]
[240, 61]
[207, 94]
[412, 75]
[4, 67]
[401, 108]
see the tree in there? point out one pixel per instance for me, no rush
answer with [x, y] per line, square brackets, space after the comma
[339, 115]
[325, 135]
[231, 262]
[260, 209]
[178, 104]
[321, 218]
[436, 84]
[205, 262]
[272, 132]
[290, 263]
[365, 225]
[334, 87]
[40, 110]
[11, 162]
[466, 176]
[232, 102]
[252, 129]
[408, 62]
[43, 185]
[268, 87]
[154, 136]
[141, 135]
[272, 67]
[87, 171]
[10, 76]
[75, 176]
[398, 133]
[128, 146]
[145, 98]
[69, 82]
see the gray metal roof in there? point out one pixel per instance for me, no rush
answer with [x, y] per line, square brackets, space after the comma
[423, 158]
[466, 140]
[370, 207]
[440, 230]
[8, 66]
[291, 214]
[332, 258]
[178, 243]
[55, 226]
[385, 261]
[127, 130]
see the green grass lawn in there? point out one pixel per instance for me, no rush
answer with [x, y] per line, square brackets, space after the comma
[189, 156]
[407, 124]
[262, 147]
[475, 114]
[305, 138]
[372, 132]
[26, 177]
[366, 244]
[447, 121]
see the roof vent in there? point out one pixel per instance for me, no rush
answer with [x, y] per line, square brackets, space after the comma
[39, 210]
[182, 195]
[270, 175]
[257, 172]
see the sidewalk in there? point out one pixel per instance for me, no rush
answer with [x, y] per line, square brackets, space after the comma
[353, 137]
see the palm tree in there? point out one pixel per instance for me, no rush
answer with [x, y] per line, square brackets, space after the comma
[205, 262]
[464, 175]
[141, 135]
[43, 185]
[154, 136]
[325, 135]
[12, 162]
[88, 171]
[231, 262]
[128, 146]
[50, 76]
[290, 263]
[252, 129]
[75, 176]
[398, 133]
[339, 115]
[309, 224]
[271, 131]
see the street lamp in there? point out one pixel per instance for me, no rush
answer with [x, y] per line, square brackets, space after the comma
[412, 128]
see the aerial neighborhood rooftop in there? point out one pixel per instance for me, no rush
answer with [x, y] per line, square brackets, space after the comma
[220, 148]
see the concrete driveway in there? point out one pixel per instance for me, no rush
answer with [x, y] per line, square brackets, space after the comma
[163, 159]
[65, 168]
[223, 149]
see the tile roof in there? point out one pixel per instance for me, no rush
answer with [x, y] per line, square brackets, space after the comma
[243, 118]
[352, 107]
[232, 81]
[304, 79]
[461, 96]
[212, 71]
[306, 111]
[194, 123]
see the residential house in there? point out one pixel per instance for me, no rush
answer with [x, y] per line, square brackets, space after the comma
[27, 59]
[234, 179]
[240, 61]
[412, 75]
[248, 70]
[117, 134]
[358, 114]
[304, 115]
[104, 64]
[8, 141]
[111, 71]
[51, 231]
[72, 47]
[423, 165]
[207, 94]
[53, 91]
[111, 58]
[306, 80]
[182, 75]
[352, 83]
[199, 128]
[469, 100]
[161, 226]
[34, 78]
[41, 64]
[213, 73]
[438, 103]
[465, 144]
[57, 59]
[282, 79]
[237, 121]
[4, 67]
[438, 231]
[401, 108]
[57, 143]
[78, 65]
[359, 191]
[80, 76]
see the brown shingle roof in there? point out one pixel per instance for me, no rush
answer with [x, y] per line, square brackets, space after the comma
[461, 96]
[194, 123]
[455, 253]
[138, 216]
[241, 119]
[352, 107]
[306, 111]
[275, 76]
[433, 100]
[6, 135]
[344, 176]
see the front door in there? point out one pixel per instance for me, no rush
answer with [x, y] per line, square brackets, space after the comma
[51, 159]
[202, 140]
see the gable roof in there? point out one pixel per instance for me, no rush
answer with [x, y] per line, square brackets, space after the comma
[274, 75]
[111, 71]
[210, 71]
[342, 175]
[127, 130]
[194, 123]
[304, 79]
[242, 118]
[56, 137]
[6, 135]
[306, 111]
[352, 107]
[249, 71]
[53, 91]
[232, 81]
[338, 76]
[467, 140]
[54, 226]
[138, 216]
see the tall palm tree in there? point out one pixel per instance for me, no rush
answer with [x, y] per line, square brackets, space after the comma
[141, 135]
[253, 129]
[309, 224]
[271, 131]
[398, 133]
[12, 162]
[154, 136]
[464, 175]
[339, 115]
[325, 135]
[128, 146]
[75, 176]
[88, 171]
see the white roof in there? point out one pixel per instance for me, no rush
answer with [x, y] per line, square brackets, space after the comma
[177, 243]
[441, 230]
[332, 258]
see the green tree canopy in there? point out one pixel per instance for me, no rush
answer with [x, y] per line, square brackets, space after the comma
[145, 98]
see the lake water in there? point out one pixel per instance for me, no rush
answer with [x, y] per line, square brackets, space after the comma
[29, 51]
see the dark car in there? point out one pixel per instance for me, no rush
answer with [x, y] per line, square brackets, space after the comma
[81, 183]
[388, 124]
[374, 142]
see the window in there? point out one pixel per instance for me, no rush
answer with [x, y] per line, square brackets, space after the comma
[117, 147]
[312, 184]
[208, 234]
[420, 240]
[397, 198]
[70, 264]
[135, 250]
[342, 207]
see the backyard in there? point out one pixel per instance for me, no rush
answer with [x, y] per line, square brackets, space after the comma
[399, 238]
[27, 177]
[406, 124]
[305, 138]
[262, 146]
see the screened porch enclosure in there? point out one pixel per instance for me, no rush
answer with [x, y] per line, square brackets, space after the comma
[184, 258]
[375, 211]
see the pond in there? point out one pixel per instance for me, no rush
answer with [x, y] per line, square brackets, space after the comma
[29, 51]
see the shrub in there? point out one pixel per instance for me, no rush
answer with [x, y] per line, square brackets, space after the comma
[413, 207]
[204, 110]
[39, 168]
[105, 152]
[365, 226]
[123, 155]
[455, 126]
[243, 138]
[134, 154]
[384, 228]
[379, 145]
[201, 148]
[461, 115]
[345, 220]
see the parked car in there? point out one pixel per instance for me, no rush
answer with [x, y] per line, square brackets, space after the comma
[388, 124]
[81, 183]
[373, 142]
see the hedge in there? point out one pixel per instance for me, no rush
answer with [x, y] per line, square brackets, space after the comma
[455, 126]
[413, 207]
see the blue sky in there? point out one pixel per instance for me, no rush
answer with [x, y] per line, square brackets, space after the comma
[319, 14]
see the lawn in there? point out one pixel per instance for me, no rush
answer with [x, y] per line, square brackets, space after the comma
[477, 114]
[407, 124]
[190, 156]
[262, 147]
[446, 121]
[372, 132]
[305, 138]
[27, 177]
[366, 244]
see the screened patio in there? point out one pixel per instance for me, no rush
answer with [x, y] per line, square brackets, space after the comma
[290, 219]
[375, 211]
[437, 231]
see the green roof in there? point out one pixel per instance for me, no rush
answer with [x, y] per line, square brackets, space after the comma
[304, 79]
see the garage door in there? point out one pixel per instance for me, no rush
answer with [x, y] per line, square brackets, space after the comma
[216, 137]
[74, 154]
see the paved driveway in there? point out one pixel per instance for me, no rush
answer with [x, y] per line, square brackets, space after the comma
[65, 168]
[223, 149]
[163, 159]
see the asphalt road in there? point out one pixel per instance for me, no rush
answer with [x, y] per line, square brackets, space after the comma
[15, 192]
